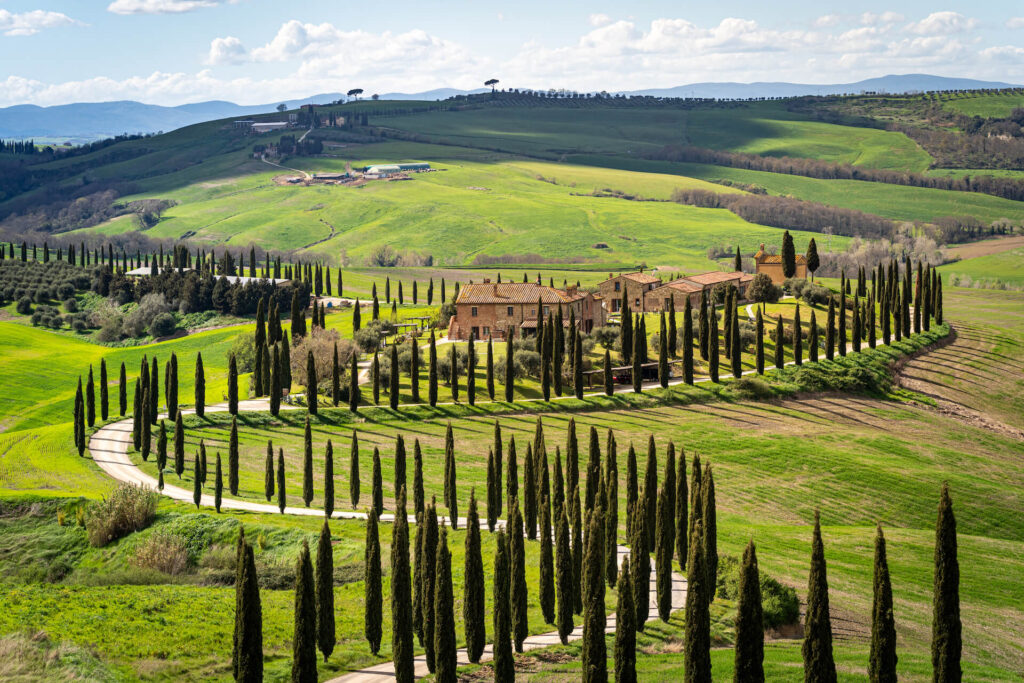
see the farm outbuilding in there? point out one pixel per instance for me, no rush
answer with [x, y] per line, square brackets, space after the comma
[383, 169]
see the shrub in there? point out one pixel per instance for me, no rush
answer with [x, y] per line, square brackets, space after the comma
[607, 336]
[137, 323]
[244, 351]
[24, 306]
[816, 294]
[526, 363]
[367, 338]
[780, 603]
[71, 305]
[162, 325]
[162, 551]
[65, 290]
[321, 343]
[129, 508]
[444, 363]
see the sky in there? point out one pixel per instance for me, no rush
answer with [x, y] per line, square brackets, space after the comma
[172, 52]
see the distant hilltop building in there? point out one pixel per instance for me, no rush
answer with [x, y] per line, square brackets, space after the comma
[647, 294]
[771, 265]
[384, 170]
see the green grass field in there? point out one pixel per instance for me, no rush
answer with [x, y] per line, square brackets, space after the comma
[989, 271]
[987, 105]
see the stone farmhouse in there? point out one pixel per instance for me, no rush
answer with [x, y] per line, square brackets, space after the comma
[660, 298]
[636, 285]
[493, 309]
[771, 265]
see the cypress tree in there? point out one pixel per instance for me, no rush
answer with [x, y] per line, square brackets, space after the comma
[625, 629]
[650, 493]
[268, 473]
[401, 596]
[432, 373]
[812, 339]
[425, 573]
[681, 501]
[593, 470]
[353, 470]
[248, 659]
[122, 392]
[594, 656]
[375, 375]
[451, 497]
[749, 621]
[735, 352]
[419, 570]
[490, 368]
[399, 469]
[547, 563]
[663, 354]
[759, 344]
[947, 640]
[504, 664]
[817, 647]
[856, 325]
[632, 491]
[470, 372]
[697, 639]
[307, 465]
[444, 616]
[325, 638]
[179, 446]
[90, 401]
[882, 661]
[233, 458]
[529, 494]
[202, 462]
[146, 429]
[154, 393]
[335, 378]
[665, 548]
[304, 639]
[841, 313]
[492, 490]
[688, 342]
[417, 479]
[329, 480]
[641, 564]
[704, 328]
[626, 330]
[609, 388]
[696, 506]
[79, 418]
[197, 484]
[353, 386]
[275, 383]
[414, 370]
[282, 495]
[312, 395]
[104, 391]
[563, 576]
[713, 357]
[611, 511]
[511, 473]
[233, 386]
[798, 343]
[639, 343]
[830, 330]
[709, 519]
[473, 587]
[373, 595]
[517, 594]
[780, 344]
[453, 363]
[509, 367]
[378, 483]
[161, 447]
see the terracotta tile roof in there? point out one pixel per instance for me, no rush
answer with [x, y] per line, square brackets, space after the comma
[513, 293]
[680, 285]
[638, 276]
[714, 277]
[761, 257]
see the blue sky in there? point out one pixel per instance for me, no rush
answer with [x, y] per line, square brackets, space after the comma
[255, 51]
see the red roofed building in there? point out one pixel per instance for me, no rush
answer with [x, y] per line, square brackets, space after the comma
[771, 265]
[636, 286]
[491, 309]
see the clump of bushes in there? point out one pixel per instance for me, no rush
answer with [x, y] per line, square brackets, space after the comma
[129, 508]
[163, 552]
[779, 603]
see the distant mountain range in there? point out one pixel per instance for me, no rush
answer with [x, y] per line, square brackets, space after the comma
[96, 120]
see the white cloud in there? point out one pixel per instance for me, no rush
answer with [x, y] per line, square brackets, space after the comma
[29, 23]
[828, 20]
[872, 19]
[599, 19]
[1008, 53]
[228, 50]
[157, 6]
[942, 24]
[1015, 22]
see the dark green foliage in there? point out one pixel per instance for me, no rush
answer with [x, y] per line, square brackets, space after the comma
[247, 660]
[325, 638]
[841, 313]
[425, 573]
[697, 640]
[504, 664]
[625, 629]
[276, 385]
[813, 261]
[268, 473]
[759, 344]
[665, 548]
[444, 615]
[417, 478]
[311, 384]
[594, 656]
[197, 484]
[378, 483]
[414, 370]
[882, 661]
[735, 352]
[307, 465]
[663, 353]
[473, 587]
[626, 343]
[218, 486]
[517, 595]
[530, 494]
[856, 325]
[122, 391]
[490, 368]
[609, 384]
[353, 470]
[564, 576]
[641, 564]
[493, 486]
[451, 496]
[547, 563]
[232, 386]
[830, 330]
[713, 344]
[329, 480]
[146, 436]
[812, 339]
[375, 377]
[137, 417]
[453, 364]
[104, 392]
[593, 469]
[650, 493]
[233, 458]
[788, 255]
[704, 325]
[161, 447]
[947, 640]
[709, 519]
[819, 666]
[432, 372]
[79, 421]
[282, 496]
[393, 379]
[417, 580]
[780, 344]
[687, 342]
[401, 596]
[304, 638]
[154, 392]
[353, 385]
[632, 491]
[510, 369]
[470, 371]
[681, 498]
[399, 467]
[611, 511]
[749, 622]
[577, 551]
[512, 473]
[639, 345]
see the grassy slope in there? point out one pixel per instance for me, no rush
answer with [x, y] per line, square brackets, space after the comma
[988, 105]
[1006, 266]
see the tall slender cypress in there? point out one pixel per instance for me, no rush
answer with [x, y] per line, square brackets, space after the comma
[104, 392]
[353, 385]
[798, 341]
[709, 519]
[594, 656]
[418, 495]
[688, 343]
[517, 595]
[233, 386]
[248, 659]
[641, 564]
[197, 483]
[329, 480]
[325, 638]
[713, 357]
[268, 473]
[611, 511]
[373, 594]
[947, 639]
[432, 372]
[682, 522]
[697, 638]
[473, 585]
[444, 615]
[179, 446]
[470, 371]
[830, 330]
[780, 344]
[504, 664]
[451, 496]
[353, 470]
[304, 639]
[122, 392]
[650, 493]
[509, 367]
[663, 552]
[335, 378]
[281, 493]
[547, 563]
[625, 628]
[307, 465]
[425, 573]
[812, 339]
[378, 483]
[401, 596]
[90, 400]
[563, 576]
[749, 650]
[233, 458]
[882, 661]
[819, 666]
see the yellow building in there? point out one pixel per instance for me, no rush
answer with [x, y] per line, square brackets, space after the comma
[771, 265]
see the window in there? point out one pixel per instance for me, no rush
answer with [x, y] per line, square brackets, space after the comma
[635, 303]
[508, 311]
[476, 332]
[472, 311]
[547, 309]
[487, 332]
[618, 286]
[615, 305]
